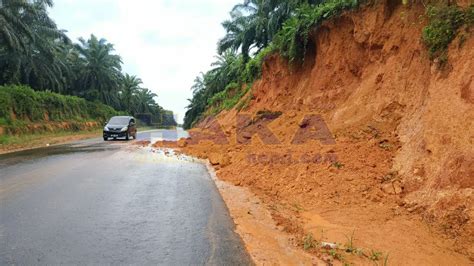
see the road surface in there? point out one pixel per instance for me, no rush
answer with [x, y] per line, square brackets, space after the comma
[95, 202]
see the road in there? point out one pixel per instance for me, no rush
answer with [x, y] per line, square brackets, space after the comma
[95, 202]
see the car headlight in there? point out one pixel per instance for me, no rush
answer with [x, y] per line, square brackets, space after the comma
[124, 129]
[106, 129]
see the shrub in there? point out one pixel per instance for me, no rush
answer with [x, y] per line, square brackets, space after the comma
[5, 105]
[253, 68]
[27, 105]
[470, 15]
[444, 22]
[292, 40]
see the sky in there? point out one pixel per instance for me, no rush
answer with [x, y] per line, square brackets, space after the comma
[166, 43]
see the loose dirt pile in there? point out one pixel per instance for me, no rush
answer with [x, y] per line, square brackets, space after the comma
[400, 176]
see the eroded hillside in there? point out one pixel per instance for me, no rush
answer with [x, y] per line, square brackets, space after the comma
[400, 176]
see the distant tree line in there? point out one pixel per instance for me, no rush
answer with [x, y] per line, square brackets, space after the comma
[35, 52]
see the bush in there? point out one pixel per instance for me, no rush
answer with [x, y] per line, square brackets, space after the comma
[444, 22]
[5, 105]
[253, 68]
[20, 105]
[470, 15]
[292, 39]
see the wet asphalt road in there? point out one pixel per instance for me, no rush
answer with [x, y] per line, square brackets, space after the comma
[94, 202]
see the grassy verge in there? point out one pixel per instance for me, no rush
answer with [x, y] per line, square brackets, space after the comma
[10, 143]
[21, 108]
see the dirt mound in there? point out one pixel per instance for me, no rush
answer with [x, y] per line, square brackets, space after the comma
[403, 156]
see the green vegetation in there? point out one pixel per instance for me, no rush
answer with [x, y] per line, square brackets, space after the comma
[30, 140]
[309, 242]
[256, 30]
[21, 106]
[375, 255]
[338, 165]
[35, 52]
[444, 23]
[292, 40]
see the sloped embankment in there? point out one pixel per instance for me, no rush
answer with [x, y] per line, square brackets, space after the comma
[401, 174]
[25, 111]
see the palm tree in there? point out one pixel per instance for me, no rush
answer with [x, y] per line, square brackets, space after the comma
[240, 35]
[145, 100]
[100, 71]
[29, 43]
[227, 69]
[131, 85]
[198, 103]
[14, 31]
[254, 23]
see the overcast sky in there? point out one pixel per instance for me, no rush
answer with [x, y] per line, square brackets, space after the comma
[164, 42]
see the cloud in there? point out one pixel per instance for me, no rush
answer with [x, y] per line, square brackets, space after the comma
[166, 42]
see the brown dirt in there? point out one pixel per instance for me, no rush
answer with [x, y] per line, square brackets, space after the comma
[400, 175]
[142, 143]
[265, 241]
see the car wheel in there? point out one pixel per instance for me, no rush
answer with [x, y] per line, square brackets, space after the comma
[127, 137]
[105, 138]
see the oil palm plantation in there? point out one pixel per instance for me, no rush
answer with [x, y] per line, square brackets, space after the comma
[131, 85]
[100, 74]
[146, 101]
[34, 52]
[254, 23]
[252, 26]
[29, 43]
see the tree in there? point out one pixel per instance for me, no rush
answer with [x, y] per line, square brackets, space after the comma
[29, 43]
[100, 71]
[254, 24]
[131, 85]
[145, 100]
[34, 52]
[227, 71]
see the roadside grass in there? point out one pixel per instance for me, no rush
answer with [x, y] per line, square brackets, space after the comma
[27, 139]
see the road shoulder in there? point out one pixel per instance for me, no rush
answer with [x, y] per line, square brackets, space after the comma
[27, 142]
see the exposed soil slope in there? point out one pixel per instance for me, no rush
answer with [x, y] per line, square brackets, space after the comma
[403, 177]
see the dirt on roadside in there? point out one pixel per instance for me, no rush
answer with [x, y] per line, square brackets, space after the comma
[398, 181]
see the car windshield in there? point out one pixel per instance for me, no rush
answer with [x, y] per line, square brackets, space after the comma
[119, 121]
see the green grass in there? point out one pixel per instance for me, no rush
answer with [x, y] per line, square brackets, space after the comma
[35, 139]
